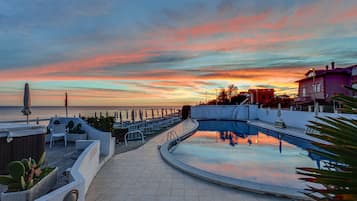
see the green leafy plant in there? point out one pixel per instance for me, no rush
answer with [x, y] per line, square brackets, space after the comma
[102, 123]
[75, 129]
[338, 176]
[24, 174]
[70, 125]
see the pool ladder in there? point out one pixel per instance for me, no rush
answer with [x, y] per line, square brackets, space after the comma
[172, 135]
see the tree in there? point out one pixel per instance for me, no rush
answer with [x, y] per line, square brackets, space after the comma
[222, 97]
[231, 92]
[339, 175]
[236, 100]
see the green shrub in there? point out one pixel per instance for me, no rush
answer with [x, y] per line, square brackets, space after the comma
[102, 123]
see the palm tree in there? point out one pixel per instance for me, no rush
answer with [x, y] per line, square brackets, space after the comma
[338, 176]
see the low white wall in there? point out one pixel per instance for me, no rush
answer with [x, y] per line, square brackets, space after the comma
[297, 119]
[224, 112]
[88, 163]
[105, 138]
[83, 171]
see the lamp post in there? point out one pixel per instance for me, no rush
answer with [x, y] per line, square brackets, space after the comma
[216, 97]
[206, 96]
[313, 86]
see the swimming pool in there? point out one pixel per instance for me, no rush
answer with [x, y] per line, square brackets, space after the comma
[238, 150]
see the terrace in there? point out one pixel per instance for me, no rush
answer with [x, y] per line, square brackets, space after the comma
[141, 174]
[137, 172]
[74, 172]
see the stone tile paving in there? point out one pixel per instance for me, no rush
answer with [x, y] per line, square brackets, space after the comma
[141, 174]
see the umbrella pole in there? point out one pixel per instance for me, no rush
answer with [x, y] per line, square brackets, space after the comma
[27, 118]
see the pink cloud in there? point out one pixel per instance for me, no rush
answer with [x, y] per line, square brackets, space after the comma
[78, 66]
[235, 24]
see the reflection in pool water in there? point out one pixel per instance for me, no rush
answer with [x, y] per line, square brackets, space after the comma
[238, 150]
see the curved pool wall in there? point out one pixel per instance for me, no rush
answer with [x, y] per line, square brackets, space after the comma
[241, 184]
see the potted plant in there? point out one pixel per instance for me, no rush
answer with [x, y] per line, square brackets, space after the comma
[28, 180]
[75, 132]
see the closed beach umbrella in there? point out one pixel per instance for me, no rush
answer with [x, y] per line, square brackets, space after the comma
[166, 111]
[66, 103]
[146, 114]
[127, 115]
[133, 115]
[141, 115]
[162, 112]
[120, 117]
[152, 113]
[27, 102]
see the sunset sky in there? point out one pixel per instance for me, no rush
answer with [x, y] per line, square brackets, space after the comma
[166, 52]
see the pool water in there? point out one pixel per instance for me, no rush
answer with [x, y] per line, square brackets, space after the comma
[238, 150]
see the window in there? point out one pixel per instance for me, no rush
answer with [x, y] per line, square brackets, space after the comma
[318, 87]
[303, 91]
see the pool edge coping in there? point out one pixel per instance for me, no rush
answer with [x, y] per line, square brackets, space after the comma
[230, 182]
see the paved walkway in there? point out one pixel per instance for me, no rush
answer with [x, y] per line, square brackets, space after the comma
[141, 175]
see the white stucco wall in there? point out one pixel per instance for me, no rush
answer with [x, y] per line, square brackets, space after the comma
[298, 119]
[88, 163]
[93, 134]
[105, 138]
[83, 171]
[224, 112]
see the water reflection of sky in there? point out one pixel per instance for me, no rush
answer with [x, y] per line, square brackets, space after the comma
[238, 150]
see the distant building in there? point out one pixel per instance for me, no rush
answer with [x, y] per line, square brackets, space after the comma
[260, 96]
[320, 85]
[283, 97]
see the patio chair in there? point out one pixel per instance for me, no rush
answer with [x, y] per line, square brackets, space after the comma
[58, 131]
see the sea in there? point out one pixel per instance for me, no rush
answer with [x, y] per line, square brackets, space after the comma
[13, 113]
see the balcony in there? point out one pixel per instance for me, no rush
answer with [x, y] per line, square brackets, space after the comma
[301, 100]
